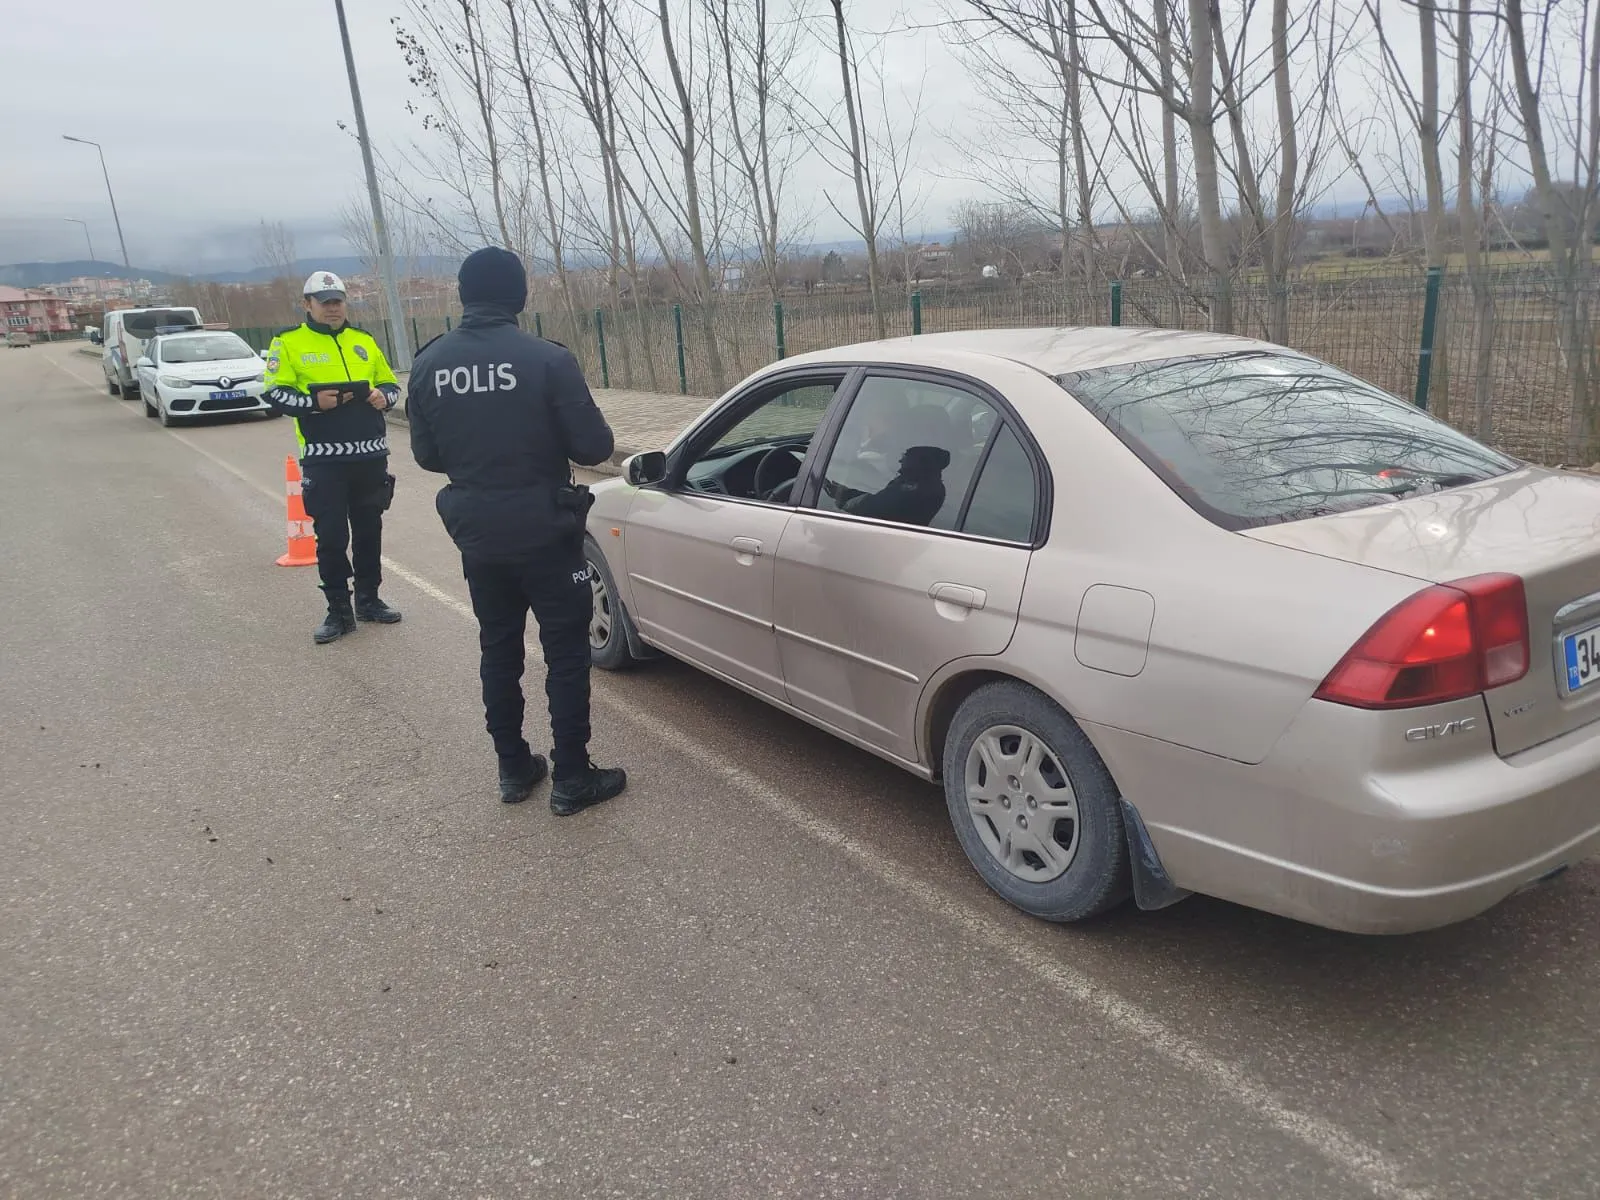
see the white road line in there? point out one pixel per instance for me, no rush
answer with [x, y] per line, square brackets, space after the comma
[1364, 1163]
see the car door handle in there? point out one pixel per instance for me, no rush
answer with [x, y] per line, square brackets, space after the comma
[958, 594]
[746, 545]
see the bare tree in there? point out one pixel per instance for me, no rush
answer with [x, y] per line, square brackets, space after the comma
[760, 69]
[1569, 255]
[861, 168]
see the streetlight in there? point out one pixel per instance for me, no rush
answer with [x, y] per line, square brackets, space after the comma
[86, 236]
[107, 174]
[399, 345]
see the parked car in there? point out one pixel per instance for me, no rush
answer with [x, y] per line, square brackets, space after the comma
[1163, 613]
[200, 373]
[18, 337]
[124, 335]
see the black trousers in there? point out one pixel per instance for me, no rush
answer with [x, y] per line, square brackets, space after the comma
[345, 501]
[555, 586]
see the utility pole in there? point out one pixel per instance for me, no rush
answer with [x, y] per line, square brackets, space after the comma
[112, 195]
[399, 346]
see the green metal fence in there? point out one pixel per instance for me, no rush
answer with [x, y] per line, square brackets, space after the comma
[1489, 361]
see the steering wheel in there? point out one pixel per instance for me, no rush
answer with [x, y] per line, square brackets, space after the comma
[771, 484]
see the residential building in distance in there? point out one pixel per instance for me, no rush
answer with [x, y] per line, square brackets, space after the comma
[37, 312]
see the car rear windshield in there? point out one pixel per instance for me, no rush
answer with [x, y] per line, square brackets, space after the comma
[143, 324]
[215, 347]
[1261, 437]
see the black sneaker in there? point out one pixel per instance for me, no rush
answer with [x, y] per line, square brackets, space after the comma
[517, 783]
[594, 786]
[339, 621]
[370, 608]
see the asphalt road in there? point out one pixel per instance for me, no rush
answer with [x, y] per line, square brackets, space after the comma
[265, 930]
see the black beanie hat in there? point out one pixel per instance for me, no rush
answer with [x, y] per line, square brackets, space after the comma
[494, 276]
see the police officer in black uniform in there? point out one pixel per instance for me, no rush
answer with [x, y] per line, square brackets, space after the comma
[503, 413]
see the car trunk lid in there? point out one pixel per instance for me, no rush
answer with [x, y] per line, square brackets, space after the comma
[1541, 525]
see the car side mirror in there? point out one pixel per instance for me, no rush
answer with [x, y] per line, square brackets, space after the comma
[144, 361]
[647, 468]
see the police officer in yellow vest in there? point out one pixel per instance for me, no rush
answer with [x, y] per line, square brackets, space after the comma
[333, 379]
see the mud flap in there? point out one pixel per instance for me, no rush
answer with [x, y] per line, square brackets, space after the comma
[1152, 887]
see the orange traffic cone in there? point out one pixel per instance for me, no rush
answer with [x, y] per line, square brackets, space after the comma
[302, 550]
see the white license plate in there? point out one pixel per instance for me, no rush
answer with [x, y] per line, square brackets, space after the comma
[1580, 654]
[236, 394]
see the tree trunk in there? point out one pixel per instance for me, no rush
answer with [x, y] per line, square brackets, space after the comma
[1208, 186]
[869, 217]
[691, 199]
[1583, 437]
[1433, 179]
[1483, 313]
[1282, 243]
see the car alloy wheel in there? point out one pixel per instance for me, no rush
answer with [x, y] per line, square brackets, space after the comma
[602, 624]
[1021, 803]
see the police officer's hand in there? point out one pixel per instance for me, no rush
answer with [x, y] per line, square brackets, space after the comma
[378, 400]
[328, 398]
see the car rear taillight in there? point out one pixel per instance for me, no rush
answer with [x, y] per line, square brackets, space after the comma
[1445, 643]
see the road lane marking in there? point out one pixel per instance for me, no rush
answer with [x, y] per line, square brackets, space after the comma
[1362, 1162]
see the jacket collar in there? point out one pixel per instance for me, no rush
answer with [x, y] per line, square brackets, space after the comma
[319, 327]
[480, 316]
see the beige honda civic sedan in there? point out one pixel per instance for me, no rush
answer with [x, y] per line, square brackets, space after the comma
[1163, 613]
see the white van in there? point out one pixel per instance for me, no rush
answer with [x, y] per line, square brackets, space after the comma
[123, 338]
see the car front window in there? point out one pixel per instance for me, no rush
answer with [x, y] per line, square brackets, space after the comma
[1266, 436]
[759, 457]
[222, 347]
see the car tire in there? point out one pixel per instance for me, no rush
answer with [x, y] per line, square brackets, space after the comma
[167, 419]
[113, 386]
[149, 409]
[608, 637]
[1011, 827]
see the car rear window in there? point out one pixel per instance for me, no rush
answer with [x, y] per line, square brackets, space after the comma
[143, 324]
[1262, 437]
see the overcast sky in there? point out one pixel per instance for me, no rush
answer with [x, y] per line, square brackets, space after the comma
[215, 116]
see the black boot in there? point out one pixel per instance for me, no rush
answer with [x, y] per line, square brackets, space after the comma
[518, 780]
[370, 608]
[595, 785]
[339, 621]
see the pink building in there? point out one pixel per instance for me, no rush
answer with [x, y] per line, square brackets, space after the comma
[35, 312]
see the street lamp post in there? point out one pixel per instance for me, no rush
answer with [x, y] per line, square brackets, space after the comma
[399, 346]
[112, 195]
[86, 236]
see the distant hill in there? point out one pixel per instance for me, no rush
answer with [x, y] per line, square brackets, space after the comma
[38, 274]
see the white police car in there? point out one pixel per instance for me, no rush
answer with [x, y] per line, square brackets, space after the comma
[194, 372]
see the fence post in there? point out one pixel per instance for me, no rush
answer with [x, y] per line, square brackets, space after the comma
[538, 325]
[1430, 321]
[600, 335]
[1116, 302]
[416, 338]
[447, 322]
[677, 326]
[916, 312]
[777, 324]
